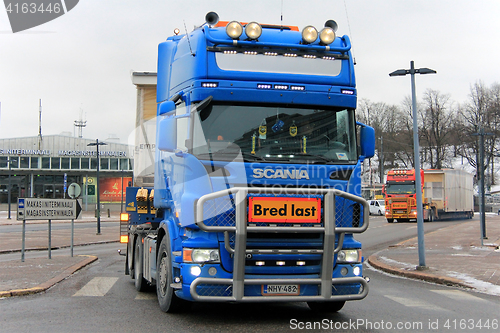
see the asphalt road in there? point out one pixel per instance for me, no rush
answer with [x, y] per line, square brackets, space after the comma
[100, 298]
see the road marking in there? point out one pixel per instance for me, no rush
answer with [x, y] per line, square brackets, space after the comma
[145, 296]
[459, 295]
[412, 302]
[98, 286]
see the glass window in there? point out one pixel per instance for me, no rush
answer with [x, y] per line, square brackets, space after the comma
[14, 162]
[85, 163]
[65, 163]
[123, 164]
[45, 162]
[104, 163]
[55, 163]
[3, 161]
[93, 163]
[113, 164]
[35, 162]
[24, 162]
[75, 163]
[274, 134]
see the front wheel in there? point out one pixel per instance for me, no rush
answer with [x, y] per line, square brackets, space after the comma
[167, 299]
[326, 306]
[390, 220]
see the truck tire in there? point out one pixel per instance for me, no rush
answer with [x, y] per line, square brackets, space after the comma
[169, 302]
[390, 220]
[140, 283]
[326, 306]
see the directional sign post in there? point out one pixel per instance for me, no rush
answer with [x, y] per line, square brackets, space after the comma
[46, 209]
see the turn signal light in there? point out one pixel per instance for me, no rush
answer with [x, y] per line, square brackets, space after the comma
[124, 239]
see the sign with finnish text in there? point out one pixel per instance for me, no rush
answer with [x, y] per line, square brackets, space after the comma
[47, 209]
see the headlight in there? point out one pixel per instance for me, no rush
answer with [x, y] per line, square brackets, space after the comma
[327, 35]
[201, 255]
[349, 256]
[253, 30]
[234, 29]
[309, 34]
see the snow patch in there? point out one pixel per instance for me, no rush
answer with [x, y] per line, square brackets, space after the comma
[481, 286]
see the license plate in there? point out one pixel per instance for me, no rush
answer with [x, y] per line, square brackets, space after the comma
[284, 210]
[280, 289]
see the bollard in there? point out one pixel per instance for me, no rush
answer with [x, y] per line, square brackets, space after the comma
[24, 241]
[109, 213]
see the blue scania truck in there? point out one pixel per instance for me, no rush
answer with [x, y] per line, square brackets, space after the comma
[257, 181]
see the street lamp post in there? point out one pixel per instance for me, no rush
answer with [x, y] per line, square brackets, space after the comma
[9, 190]
[98, 210]
[418, 180]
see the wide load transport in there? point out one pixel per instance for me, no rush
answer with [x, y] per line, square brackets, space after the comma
[446, 193]
[257, 170]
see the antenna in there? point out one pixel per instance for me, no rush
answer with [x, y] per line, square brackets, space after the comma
[281, 14]
[40, 127]
[189, 42]
[80, 124]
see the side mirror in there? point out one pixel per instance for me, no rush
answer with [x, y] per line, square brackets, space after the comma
[367, 141]
[166, 107]
[166, 134]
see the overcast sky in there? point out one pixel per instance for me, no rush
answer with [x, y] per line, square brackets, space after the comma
[82, 61]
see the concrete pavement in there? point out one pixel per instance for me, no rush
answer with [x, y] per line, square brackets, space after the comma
[36, 275]
[454, 255]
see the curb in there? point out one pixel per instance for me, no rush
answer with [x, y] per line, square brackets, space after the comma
[419, 275]
[57, 247]
[46, 285]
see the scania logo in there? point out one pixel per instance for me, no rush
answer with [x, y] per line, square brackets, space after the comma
[280, 173]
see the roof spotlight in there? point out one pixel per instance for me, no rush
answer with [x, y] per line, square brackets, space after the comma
[327, 35]
[309, 34]
[234, 29]
[253, 30]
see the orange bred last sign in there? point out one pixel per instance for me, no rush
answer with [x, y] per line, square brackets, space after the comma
[284, 210]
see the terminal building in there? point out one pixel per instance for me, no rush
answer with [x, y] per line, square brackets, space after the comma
[45, 168]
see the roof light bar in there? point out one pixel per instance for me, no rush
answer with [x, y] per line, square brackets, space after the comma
[210, 84]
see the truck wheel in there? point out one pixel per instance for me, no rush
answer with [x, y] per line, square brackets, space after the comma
[169, 302]
[326, 306]
[140, 283]
[390, 220]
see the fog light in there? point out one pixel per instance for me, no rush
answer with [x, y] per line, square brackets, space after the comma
[177, 279]
[344, 271]
[357, 271]
[212, 271]
[196, 270]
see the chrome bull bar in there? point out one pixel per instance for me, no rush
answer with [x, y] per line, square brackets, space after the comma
[241, 228]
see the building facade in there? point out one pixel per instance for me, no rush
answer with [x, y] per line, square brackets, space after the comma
[45, 168]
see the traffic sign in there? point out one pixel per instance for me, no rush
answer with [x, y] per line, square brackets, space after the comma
[47, 209]
[74, 190]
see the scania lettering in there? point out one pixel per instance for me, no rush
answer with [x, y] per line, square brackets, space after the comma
[257, 162]
[280, 173]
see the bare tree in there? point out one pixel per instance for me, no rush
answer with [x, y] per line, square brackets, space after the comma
[436, 127]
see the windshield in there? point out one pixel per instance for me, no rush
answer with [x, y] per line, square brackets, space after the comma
[274, 134]
[400, 188]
